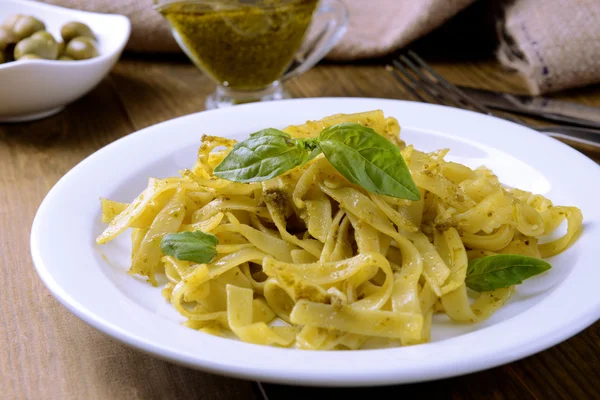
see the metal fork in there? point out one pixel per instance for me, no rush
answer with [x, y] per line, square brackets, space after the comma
[426, 85]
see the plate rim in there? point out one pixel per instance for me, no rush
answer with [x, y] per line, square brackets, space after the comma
[245, 372]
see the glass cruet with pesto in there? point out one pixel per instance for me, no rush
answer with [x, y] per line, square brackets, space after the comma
[249, 47]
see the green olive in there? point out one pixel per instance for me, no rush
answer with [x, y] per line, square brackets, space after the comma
[43, 35]
[30, 57]
[81, 48]
[9, 22]
[6, 38]
[66, 58]
[40, 46]
[61, 48]
[27, 26]
[74, 29]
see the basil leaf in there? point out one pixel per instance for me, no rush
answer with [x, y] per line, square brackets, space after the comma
[194, 246]
[368, 159]
[264, 155]
[502, 270]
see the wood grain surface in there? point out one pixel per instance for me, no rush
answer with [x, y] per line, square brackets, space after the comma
[47, 353]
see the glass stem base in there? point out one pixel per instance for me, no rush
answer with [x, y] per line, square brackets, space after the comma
[226, 97]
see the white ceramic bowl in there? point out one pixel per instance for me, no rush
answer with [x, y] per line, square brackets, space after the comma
[35, 89]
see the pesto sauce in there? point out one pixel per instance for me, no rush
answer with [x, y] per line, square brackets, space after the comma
[242, 47]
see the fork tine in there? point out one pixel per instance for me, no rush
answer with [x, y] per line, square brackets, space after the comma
[431, 86]
[431, 92]
[416, 84]
[404, 84]
[447, 85]
[427, 94]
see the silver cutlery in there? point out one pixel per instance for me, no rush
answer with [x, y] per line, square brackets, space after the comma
[426, 85]
[564, 112]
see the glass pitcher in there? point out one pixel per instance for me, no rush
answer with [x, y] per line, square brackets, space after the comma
[249, 47]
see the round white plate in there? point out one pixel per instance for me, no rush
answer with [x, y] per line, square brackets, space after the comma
[92, 281]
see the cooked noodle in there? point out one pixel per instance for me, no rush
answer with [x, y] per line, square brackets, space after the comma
[334, 265]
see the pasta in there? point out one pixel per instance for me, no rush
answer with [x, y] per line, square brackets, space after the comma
[311, 260]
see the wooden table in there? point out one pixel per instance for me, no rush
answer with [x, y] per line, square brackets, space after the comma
[47, 353]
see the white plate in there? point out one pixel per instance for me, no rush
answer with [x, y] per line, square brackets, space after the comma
[92, 281]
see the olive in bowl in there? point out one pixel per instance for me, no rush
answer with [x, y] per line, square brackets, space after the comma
[81, 48]
[6, 39]
[24, 37]
[41, 44]
[74, 29]
[34, 87]
[25, 26]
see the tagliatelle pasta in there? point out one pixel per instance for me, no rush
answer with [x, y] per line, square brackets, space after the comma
[308, 259]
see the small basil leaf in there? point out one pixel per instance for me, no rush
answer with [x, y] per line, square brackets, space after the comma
[264, 155]
[194, 246]
[368, 159]
[502, 270]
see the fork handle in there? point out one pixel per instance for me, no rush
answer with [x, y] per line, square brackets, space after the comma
[585, 136]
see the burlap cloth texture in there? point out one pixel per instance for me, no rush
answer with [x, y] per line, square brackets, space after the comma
[554, 44]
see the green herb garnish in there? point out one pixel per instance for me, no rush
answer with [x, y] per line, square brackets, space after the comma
[368, 159]
[359, 153]
[502, 270]
[264, 155]
[194, 246]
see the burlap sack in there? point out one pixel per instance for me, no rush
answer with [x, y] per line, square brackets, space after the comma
[555, 44]
[378, 27]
